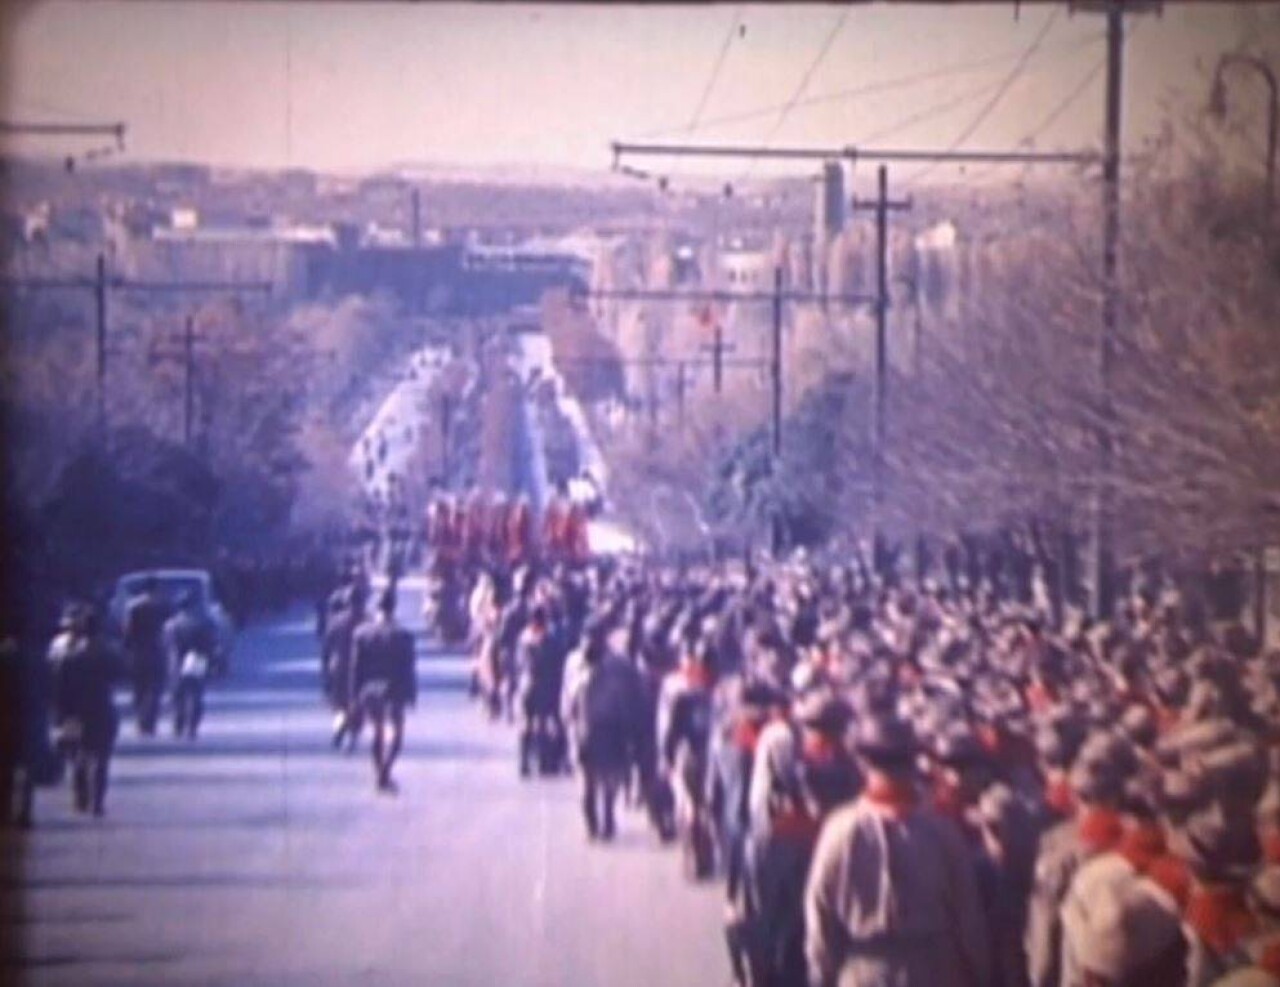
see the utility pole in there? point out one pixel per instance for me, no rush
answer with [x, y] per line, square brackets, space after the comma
[680, 389]
[776, 363]
[101, 285]
[775, 298]
[100, 300]
[189, 382]
[882, 206]
[415, 233]
[1101, 533]
[1104, 561]
[187, 356]
[446, 434]
[718, 348]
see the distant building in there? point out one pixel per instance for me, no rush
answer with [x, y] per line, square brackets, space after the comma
[828, 221]
[746, 269]
[938, 270]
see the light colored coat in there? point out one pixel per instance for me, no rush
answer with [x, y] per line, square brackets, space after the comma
[892, 901]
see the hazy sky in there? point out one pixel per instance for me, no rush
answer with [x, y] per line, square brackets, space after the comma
[341, 87]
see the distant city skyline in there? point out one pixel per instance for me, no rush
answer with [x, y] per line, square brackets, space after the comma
[351, 88]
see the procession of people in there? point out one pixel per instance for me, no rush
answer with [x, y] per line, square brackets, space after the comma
[899, 780]
[917, 782]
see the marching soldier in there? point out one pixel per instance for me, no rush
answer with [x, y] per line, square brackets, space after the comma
[540, 661]
[892, 896]
[23, 733]
[384, 683]
[684, 730]
[192, 643]
[144, 622]
[519, 534]
[1095, 827]
[603, 706]
[85, 673]
[335, 665]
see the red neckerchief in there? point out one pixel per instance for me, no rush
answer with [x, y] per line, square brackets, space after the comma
[1058, 795]
[990, 739]
[946, 798]
[696, 675]
[1271, 845]
[746, 735]
[1142, 843]
[1269, 961]
[796, 825]
[1040, 697]
[897, 798]
[1219, 917]
[817, 749]
[1171, 874]
[1166, 719]
[1100, 830]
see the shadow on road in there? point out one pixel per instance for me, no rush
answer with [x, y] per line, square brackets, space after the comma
[311, 749]
[179, 882]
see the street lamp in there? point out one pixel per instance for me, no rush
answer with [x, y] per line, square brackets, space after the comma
[1218, 107]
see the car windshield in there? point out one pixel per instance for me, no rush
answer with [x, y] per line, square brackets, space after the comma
[172, 588]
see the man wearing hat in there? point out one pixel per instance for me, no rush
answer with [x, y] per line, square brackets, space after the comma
[144, 621]
[383, 682]
[335, 665]
[1221, 851]
[192, 642]
[732, 749]
[892, 896]
[1005, 863]
[822, 777]
[683, 720]
[1095, 827]
[603, 705]
[1263, 950]
[85, 674]
[1119, 931]
[960, 772]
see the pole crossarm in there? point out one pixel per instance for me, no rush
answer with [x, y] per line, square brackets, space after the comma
[664, 295]
[124, 284]
[662, 361]
[121, 284]
[43, 284]
[854, 153]
[116, 130]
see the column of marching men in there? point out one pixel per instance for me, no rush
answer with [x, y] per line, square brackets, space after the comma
[899, 785]
[912, 785]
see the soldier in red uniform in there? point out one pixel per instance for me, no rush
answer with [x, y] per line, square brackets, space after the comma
[552, 521]
[576, 546]
[475, 530]
[499, 511]
[519, 534]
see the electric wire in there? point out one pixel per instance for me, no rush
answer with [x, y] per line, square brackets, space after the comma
[1007, 84]
[715, 71]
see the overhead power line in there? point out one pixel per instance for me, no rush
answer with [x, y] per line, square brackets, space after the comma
[808, 75]
[1071, 98]
[929, 112]
[1014, 74]
[867, 89]
[715, 71]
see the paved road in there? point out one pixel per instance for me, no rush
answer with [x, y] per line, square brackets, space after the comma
[258, 856]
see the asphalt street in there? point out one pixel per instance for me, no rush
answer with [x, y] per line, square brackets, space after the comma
[258, 855]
